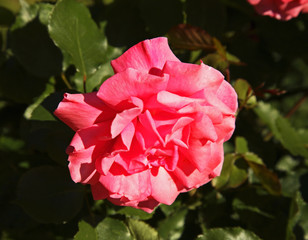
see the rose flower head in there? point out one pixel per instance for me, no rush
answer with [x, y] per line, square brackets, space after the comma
[280, 9]
[154, 129]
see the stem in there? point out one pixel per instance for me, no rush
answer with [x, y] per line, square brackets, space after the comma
[69, 86]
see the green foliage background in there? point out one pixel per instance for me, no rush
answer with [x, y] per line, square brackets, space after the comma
[51, 47]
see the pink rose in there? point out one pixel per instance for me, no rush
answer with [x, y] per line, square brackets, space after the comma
[280, 9]
[153, 130]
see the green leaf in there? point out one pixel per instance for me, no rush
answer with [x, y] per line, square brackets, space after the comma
[73, 30]
[282, 129]
[103, 72]
[240, 205]
[286, 164]
[236, 233]
[135, 213]
[245, 94]
[44, 12]
[241, 145]
[113, 229]
[171, 228]
[231, 175]
[35, 111]
[296, 213]
[142, 231]
[268, 179]
[251, 157]
[290, 138]
[10, 144]
[86, 232]
[216, 61]
[26, 14]
[49, 195]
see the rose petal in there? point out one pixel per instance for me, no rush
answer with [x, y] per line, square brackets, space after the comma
[123, 119]
[227, 95]
[128, 134]
[164, 189]
[203, 127]
[186, 79]
[82, 166]
[145, 55]
[99, 191]
[148, 122]
[190, 177]
[130, 83]
[204, 157]
[225, 129]
[82, 110]
[175, 101]
[91, 136]
[133, 187]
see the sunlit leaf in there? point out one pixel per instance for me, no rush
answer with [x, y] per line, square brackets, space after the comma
[245, 93]
[37, 112]
[111, 228]
[241, 145]
[86, 232]
[171, 228]
[251, 157]
[26, 14]
[142, 231]
[73, 30]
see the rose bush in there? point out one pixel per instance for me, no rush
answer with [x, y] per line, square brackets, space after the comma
[153, 130]
[280, 9]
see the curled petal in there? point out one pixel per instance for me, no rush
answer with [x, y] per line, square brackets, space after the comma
[82, 110]
[128, 134]
[175, 101]
[186, 79]
[82, 166]
[226, 128]
[144, 56]
[123, 119]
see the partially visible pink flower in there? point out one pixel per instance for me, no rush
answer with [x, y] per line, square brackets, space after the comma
[153, 130]
[280, 9]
